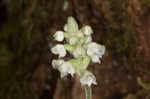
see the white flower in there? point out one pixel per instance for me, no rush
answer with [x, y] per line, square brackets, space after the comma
[95, 51]
[59, 50]
[56, 63]
[87, 30]
[59, 36]
[88, 79]
[88, 39]
[79, 52]
[66, 68]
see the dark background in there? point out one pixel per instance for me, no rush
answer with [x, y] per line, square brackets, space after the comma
[26, 29]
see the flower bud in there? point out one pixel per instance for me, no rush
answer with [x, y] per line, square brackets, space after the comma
[72, 26]
[87, 30]
[59, 36]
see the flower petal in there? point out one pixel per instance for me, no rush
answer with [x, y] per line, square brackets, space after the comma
[59, 50]
[95, 51]
[95, 59]
[88, 39]
[88, 79]
[87, 30]
[56, 63]
[66, 68]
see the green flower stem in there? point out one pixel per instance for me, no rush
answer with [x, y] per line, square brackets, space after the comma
[88, 93]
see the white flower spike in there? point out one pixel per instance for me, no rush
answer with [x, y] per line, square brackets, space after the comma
[79, 44]
[59, 50]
